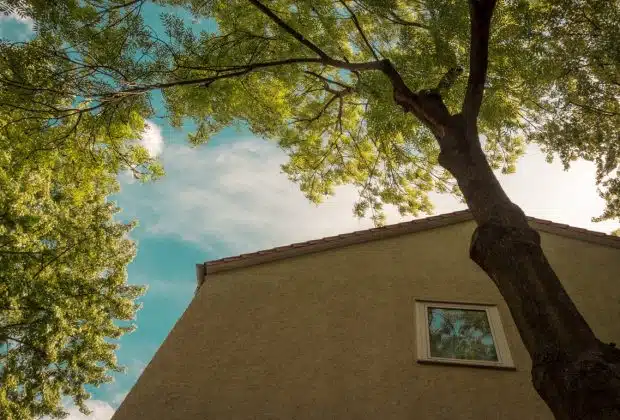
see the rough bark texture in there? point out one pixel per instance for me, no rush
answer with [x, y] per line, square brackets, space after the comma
[577, 375]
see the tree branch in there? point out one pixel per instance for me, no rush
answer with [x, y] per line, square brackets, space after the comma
[325, 59]
[428, 107]
[431, 111]
[359, 29]
[335, 95]
[269, 13]
[480, 12]
[120, 6]
[448, 79]
[226, 72]
[36, 349]
[326, 81]
[392, 17]
[57, 257]
[242, 70]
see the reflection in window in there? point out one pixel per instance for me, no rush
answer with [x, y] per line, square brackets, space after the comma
[460, 334]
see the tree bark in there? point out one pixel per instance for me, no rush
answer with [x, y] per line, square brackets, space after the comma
[576, 374]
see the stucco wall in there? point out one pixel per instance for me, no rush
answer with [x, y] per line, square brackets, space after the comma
[332, 335]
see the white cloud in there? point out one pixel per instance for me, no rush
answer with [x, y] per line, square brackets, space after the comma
[101, 410]
[16, 27]
[18, 18]
[152, 139]
[235, 195]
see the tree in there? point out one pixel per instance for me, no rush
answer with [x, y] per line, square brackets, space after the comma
[398, 98]
[64, 298]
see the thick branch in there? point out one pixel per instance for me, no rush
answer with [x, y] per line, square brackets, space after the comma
[428, 107]
[480, 12]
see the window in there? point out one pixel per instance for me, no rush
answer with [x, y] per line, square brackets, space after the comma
[460, 333]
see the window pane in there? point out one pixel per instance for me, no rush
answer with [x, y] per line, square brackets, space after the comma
[460, 334]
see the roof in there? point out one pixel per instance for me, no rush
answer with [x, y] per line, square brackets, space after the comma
[389, 231]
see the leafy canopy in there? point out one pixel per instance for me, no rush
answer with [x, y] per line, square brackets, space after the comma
[293, 71]
[63, 286]
[64, 298]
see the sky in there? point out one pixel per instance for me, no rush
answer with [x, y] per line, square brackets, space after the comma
[229, 197]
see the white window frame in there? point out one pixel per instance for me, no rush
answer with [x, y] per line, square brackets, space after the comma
[504, 358]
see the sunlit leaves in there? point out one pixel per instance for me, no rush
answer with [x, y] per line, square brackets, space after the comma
[62, 267]
[63, 288]
[337, 127]
[63, 257]
[552, 79]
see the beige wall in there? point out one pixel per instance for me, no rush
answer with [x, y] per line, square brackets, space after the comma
[332, 335]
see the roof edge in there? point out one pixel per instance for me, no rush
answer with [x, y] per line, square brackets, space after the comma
[585, 235]
[390, 231]
[337, 241]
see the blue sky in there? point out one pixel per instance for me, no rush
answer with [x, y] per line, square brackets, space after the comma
[229, 197]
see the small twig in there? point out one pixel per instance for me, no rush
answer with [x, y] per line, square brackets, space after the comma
[326, 80]
[359, 29]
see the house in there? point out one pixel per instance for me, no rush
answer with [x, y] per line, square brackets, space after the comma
[389, 323]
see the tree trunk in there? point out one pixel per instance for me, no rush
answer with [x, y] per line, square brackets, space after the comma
[576, 374]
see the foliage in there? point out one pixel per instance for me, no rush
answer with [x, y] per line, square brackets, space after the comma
[339, 125]
[579, 112]
[64, 298]
[552, 79]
